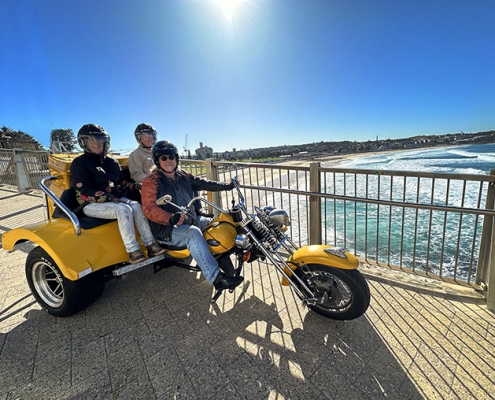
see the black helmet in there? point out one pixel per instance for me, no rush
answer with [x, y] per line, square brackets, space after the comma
[162, 148]
[147, 129]
[90, 132]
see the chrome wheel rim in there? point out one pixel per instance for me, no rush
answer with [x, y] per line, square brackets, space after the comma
[331, 292]
[48, 284]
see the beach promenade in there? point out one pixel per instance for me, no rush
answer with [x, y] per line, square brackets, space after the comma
[156, 336]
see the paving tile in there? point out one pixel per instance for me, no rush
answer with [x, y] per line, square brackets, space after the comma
[190, 346]
[15, 373]
[308, 352]
[206, 375]
[128, 373]
[52, 354]
[467, 388]
[333, 385]
[377, 385]
[89, 359]
[166, 372]
[434, 378]
[153, 343]
[474, 367]
[52, 385]
[290, 382]
[183, 390]
[126, 333]
[96, 386]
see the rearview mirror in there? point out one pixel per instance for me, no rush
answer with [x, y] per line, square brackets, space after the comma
[163, 200]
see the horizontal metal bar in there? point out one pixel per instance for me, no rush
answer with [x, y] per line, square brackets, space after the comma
[380, 202]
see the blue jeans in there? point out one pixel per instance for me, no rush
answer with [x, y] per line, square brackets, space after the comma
[126, 213]
[191, 237]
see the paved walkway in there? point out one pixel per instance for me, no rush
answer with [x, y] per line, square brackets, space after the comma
[155, 336]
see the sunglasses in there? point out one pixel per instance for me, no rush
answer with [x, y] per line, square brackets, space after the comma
[165, 158]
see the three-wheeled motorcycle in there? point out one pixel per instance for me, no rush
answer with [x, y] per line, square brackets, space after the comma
[76, 254]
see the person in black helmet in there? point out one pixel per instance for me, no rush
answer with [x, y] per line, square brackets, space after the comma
[101, 189]
[140, 161]
[173, 228]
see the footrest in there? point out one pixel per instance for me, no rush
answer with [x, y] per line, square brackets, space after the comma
[217, 295]
[131, 267]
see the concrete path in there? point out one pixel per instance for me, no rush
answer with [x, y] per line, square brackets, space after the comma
[156, 336]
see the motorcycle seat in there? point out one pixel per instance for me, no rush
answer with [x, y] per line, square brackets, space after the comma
[169, 247]
[68, 198]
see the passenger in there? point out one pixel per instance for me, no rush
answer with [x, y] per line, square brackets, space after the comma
[100, 186]
[170, 226]
[140, 161]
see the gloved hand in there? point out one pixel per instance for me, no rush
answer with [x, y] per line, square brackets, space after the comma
[175, 218]
[231, 185]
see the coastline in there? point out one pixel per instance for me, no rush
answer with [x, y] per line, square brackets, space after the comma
[332, 161]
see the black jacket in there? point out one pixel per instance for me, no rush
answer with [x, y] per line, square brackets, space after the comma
[156, 185]
[97, 178]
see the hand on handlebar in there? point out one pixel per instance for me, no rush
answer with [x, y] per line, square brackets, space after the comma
[233, 183]
[177, 218]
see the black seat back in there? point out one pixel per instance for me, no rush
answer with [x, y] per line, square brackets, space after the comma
[68, 198]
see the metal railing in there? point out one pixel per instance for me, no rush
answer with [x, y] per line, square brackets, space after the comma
[429, 224]
[23, 168]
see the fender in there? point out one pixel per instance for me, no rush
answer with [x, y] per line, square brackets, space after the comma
[315, 254]
[76, 256]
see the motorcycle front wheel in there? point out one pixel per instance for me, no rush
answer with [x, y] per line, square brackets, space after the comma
[340, 294]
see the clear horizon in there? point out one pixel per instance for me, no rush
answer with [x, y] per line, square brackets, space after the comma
[248, 73]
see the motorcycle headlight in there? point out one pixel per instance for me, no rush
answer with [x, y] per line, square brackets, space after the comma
[279, 217]
[242, 241]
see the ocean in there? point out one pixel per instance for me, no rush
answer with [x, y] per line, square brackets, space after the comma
[441, 243]
[468, 159]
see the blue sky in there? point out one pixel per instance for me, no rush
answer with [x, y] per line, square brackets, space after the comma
[248, 74]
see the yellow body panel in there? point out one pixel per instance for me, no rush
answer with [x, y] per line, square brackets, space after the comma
[184, 253]
[222, 229]
[314, 254]
[95, 248]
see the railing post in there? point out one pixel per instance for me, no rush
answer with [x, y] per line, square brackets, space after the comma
[490, 277]
[314, 204]
[211, 174]
[22, 180]
[486, 266]
[486, 237]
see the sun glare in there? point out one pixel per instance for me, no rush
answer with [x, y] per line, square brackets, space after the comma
[229, 7]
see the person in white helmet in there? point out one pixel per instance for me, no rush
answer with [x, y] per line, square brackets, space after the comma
[140, 161]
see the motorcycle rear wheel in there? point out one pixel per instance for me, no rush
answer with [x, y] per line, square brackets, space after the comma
[55, 293]
[341, 294]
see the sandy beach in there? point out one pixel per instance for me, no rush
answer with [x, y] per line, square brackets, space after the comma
[332, 161]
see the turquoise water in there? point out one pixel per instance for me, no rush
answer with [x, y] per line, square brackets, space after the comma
[469, 159]
[442, 243]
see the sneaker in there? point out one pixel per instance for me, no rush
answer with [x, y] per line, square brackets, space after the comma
[155, 250]
[136, 257]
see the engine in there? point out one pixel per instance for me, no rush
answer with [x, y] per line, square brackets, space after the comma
[269, 226]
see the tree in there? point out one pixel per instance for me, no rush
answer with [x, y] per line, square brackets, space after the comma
[19, 139]
[62, 140]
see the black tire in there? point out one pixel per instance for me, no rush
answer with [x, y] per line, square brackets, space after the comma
[58, 295]
[342, 294]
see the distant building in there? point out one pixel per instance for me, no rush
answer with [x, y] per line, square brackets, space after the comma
[204, 152]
